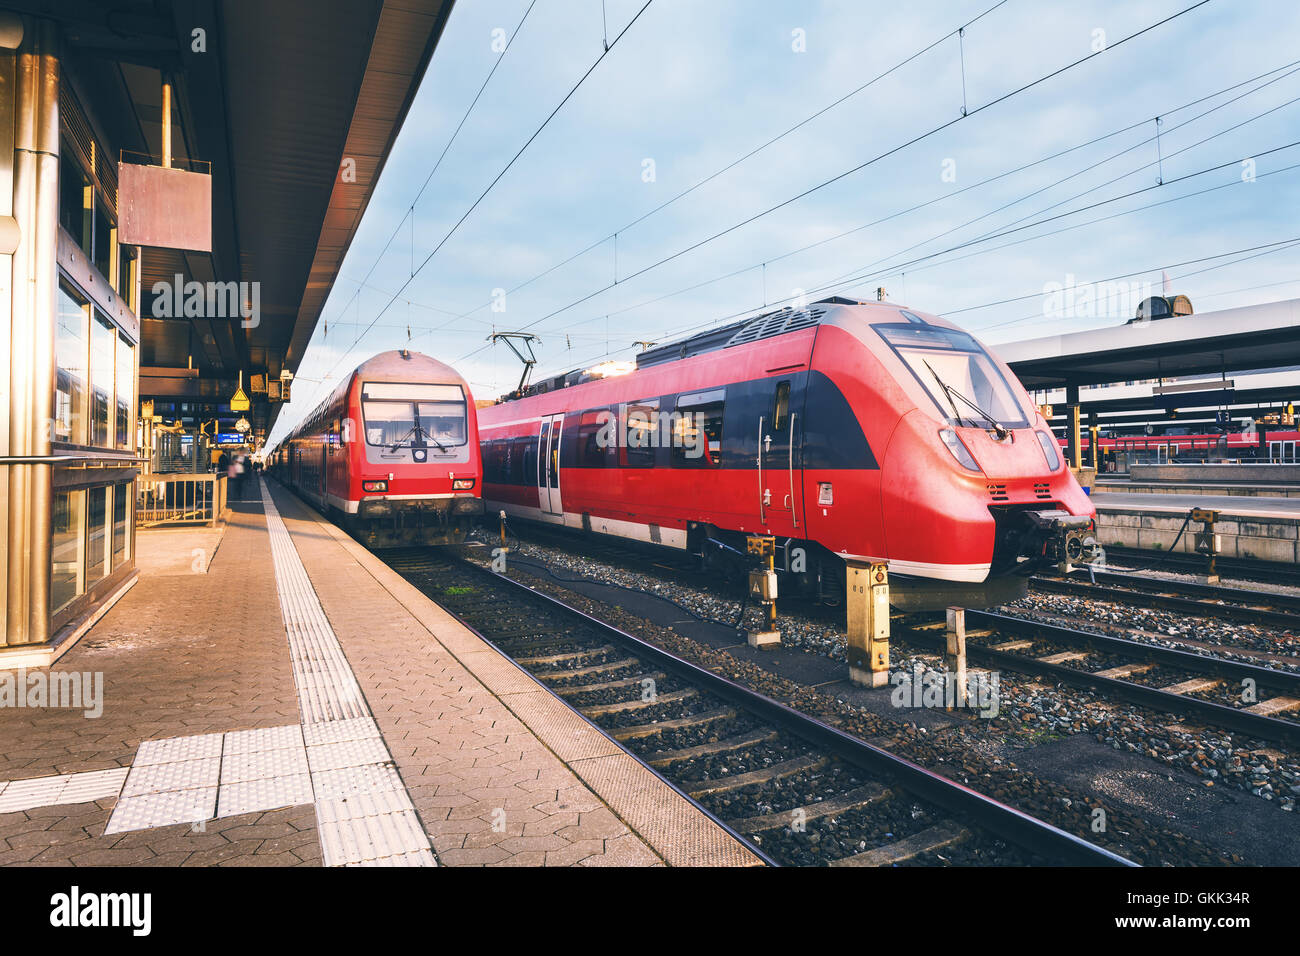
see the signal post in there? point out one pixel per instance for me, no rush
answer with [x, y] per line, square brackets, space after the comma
[867, 597]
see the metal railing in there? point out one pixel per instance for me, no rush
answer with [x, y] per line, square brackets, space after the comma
[179, 499]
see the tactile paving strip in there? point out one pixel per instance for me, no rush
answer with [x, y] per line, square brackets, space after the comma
[377, 778]
[345, 756]
[175, 749]
[240, 768]
[259, 741]
[268, 793]
[347, 753]
[181, 775]
[162, 809]
[61, 788]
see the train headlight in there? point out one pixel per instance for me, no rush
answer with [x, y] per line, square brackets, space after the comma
[462, 484]
[1050, 453]
[958, 450]
[374, 486]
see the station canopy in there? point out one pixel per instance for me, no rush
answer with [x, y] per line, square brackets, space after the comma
[1250, 338]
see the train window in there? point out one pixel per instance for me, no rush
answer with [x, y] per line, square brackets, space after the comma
[640, 423]
[781, 410]
[697, 430]
[595, 437]
[399, 414]
[957, 374]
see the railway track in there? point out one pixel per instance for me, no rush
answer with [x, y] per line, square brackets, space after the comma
[795, 789]
[1243, 568]
[1264, 608]
[1182, 682]
[1206, 688]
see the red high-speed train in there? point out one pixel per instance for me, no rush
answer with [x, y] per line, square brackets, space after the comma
[850, 431]
[392, 455]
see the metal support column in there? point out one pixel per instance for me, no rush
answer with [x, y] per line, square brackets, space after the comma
[1075, 447]
[867, 606]
[29, 102]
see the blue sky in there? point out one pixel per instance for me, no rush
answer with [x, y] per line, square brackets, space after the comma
[696, 84]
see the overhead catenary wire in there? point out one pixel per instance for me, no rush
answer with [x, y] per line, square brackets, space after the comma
[1291, 67]
[698, 184]
[858, 168]
[496, 179]
[446, 147]
[1280, 245]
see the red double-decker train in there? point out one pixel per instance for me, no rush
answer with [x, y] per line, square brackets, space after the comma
[849, 431]
[392, 455]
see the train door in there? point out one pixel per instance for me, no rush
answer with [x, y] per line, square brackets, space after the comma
[549, 433]
[780, 462]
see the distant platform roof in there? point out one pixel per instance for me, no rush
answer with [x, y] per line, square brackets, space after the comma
[1230, 340]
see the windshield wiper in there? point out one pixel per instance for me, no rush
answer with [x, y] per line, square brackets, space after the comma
[999, 429]
[417, 435]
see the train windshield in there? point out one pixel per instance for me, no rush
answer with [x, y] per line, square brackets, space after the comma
[403, 416]
[957, 373]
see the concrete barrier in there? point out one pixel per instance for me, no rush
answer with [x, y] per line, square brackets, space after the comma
[1251, 473]
[1188, 488]
[1259, 539]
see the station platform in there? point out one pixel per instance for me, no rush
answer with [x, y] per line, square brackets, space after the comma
[273, 694]
[1255, 527]
[1225, 489]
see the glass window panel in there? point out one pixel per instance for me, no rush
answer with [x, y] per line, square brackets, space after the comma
[97, 534]
[67, 578]
[72, 351]
[102, 339]
[125, 398]
[121, 499]
[105, 240]
[74, 200]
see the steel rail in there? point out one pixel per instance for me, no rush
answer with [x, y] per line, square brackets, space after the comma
[1230, 718]
[1141, 592]
[1008, 822]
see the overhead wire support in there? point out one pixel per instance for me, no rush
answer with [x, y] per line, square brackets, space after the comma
[1160, 162]
[527, 339]
[961, 48]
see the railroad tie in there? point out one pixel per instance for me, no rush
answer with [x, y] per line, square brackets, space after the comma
[664, 758]
[1124, 670]
[1062, 657]
[778, 771]
[637, 731]
[571, 656]
[593, 669]
[577, 689]
[623, 706]
[1012, 646]
[933, 838]
[1274, 705]
[1193, 686]
[853, 800]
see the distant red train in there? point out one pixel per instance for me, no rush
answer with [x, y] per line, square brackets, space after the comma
[392, 455]
[850, 431]
[1262, 445]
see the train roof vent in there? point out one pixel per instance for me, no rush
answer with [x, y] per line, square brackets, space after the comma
[776, 323]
